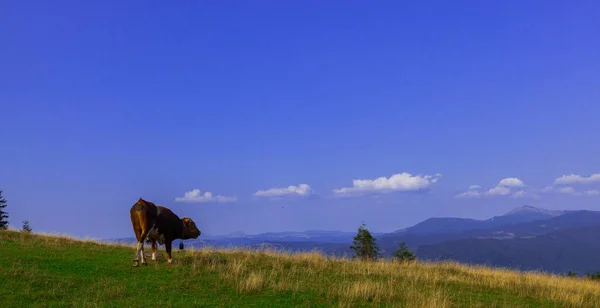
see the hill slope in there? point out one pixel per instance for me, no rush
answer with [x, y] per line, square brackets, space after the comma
[58, 271]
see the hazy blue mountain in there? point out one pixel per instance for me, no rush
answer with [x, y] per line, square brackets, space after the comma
[571, 249]
[440, 225]
[522, 214]
[570, 220]
[567, 220]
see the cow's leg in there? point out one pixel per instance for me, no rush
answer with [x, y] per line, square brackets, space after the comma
[168, 248]
[139, 253]
[136, 260]
[142, 256]
[141, 245]
[137, 229]
[154, 247]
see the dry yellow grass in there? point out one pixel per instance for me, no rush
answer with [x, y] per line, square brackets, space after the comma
[421, 284]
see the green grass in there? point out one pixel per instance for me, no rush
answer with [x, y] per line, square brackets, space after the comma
[54, 271]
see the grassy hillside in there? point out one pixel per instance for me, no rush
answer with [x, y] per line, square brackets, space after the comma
[55, 271]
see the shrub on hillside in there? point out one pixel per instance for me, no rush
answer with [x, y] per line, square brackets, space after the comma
[403, 254]
[593, 276]
[571, 274]
[26, 228]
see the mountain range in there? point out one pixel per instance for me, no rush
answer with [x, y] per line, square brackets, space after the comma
[522, 214]
[526, 238]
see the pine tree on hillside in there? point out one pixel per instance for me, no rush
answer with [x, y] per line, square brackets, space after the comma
[403, 254]
[365, 247]
[3, 214]
[26, 227]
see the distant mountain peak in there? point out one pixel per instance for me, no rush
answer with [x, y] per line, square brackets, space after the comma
[528, 209]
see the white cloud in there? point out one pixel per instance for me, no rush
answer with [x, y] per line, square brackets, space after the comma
[469, 194]
[524, 194]
[570, 190]
[511, 182]
[520, 194]
[292, 190]
[495, 191]
[397, 182]
[566, 190]
[577, 179]
[498, 191]
[195, 196]
[502, 189]
[564, 185]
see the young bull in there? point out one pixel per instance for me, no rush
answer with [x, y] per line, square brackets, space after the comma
[152, 223]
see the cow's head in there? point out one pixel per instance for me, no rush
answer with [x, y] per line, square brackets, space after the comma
[189, 228]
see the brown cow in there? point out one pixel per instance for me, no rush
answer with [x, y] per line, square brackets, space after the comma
[152, 223]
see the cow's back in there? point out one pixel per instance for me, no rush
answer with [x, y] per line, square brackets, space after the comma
[167, 222]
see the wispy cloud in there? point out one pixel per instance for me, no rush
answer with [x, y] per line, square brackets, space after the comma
[498, 191]
[524, 194]
[566, 184]
[397, 182]
[195, 196]
[570, 190]
[503, 188]
[301, 190]
[573, 179]
[470, 194]
[566, 190]
[548, 189]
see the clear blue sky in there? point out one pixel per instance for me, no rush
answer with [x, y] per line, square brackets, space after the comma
[102, 103]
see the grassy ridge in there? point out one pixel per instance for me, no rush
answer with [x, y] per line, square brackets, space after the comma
[56, 271]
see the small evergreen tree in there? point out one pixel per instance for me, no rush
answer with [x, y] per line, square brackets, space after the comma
[402, 254]
[26, 227]
[365, 246]
[3, 214]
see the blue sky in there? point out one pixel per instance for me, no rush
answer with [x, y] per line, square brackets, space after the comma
[102, 103]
